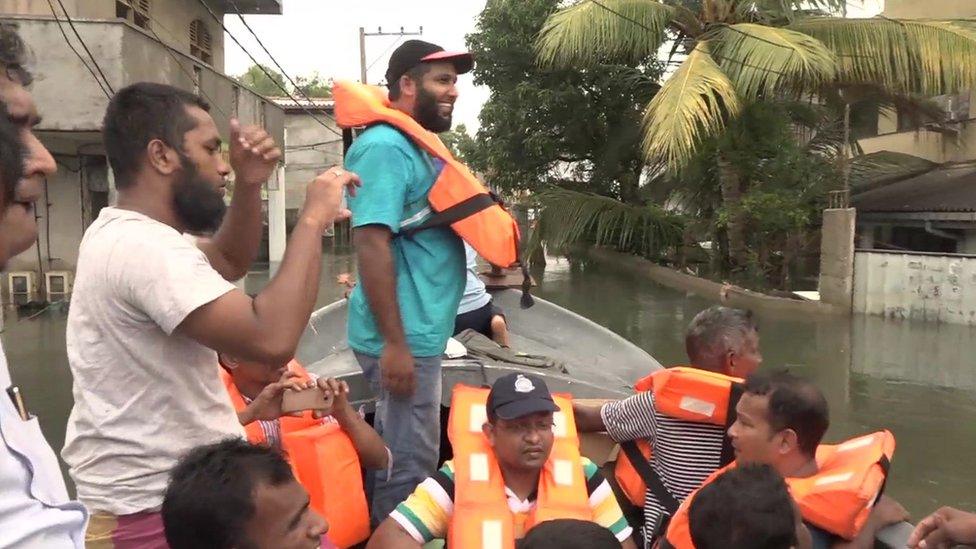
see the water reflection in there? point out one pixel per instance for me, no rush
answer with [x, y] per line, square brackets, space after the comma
[915, 379]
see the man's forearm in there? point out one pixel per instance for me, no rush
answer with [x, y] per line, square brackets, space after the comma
[378, 278]
[239, 236]
[588, 418]
[286, 304]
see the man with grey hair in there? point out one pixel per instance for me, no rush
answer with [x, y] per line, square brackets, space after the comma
[35, 510]
[683, 452]
[724, 340]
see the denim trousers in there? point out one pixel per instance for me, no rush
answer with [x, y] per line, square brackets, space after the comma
[410, 427]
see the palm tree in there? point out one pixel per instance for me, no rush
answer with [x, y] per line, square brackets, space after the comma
[742, 51]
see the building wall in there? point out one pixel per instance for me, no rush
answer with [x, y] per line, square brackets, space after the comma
[302, 162]
[170, 19]
[126, 55]
[912, 286]
[929, 9]
[62, 219]
[73, 106]
[959, 146]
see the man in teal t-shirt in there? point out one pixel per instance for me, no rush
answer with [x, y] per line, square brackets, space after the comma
[402, 312]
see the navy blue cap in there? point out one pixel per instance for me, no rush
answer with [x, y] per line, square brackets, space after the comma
[518, 395]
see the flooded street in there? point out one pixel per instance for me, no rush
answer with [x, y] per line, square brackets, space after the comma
[918, 380]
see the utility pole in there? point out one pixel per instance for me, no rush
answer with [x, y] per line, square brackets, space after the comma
[379, 32]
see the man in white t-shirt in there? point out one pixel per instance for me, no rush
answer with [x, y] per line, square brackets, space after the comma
[35, 511]
[150, 307]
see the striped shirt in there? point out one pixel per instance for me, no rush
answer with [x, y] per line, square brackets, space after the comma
[684, 452]
[426, 514]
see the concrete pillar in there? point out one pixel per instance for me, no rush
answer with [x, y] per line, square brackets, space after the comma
[276, 220]
[837, 257]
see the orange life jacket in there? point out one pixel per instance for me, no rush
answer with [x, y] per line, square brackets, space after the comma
[324, 461]
[482, 518]
[681, 392]
[457, 196]
[850, 478]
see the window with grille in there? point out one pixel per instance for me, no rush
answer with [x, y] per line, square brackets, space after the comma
[134, 11]
[201, 45]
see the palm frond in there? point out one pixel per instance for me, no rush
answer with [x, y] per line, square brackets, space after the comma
[593, 31]
[763, 60]
[916, 56]
[569, 217]
[870, 171]
[690, 106]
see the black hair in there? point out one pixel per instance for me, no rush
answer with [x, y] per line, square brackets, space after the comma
[716, 331]
[569, 534]
[139, 114]
[794, 403]
[210, 495]
[11, 159]
[14, 54]
[416, 74]
[748, 507]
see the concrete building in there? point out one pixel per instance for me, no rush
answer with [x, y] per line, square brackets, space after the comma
[953, 141]
[934, 212]
[176, 42]
[310, 147]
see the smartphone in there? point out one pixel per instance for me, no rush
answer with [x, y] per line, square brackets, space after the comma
[306, 399]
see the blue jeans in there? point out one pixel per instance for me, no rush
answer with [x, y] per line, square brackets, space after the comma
[411, 428]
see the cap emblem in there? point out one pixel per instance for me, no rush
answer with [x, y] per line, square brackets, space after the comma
[523, 384]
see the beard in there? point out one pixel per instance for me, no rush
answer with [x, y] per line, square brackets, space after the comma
[427, 115]
[199, 206]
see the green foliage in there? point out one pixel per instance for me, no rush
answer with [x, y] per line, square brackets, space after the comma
[258, 81]
[568, 217]
[540, 127]
[315, 86]
[459, 142]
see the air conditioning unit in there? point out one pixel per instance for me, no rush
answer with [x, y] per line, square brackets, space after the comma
[57, 285]
[22, 287]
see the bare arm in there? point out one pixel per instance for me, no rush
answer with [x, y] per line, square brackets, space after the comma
[886, 511]
[267, 328]
[588, 418]
[368, 443]
[234, 247]
[377, 275]
[628, 544]
[390, 535]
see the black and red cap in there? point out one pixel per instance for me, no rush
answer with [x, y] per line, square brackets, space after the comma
[414, 52]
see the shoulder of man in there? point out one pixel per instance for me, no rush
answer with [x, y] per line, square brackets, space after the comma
[381, 137]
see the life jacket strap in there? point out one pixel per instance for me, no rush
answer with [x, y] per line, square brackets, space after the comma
[465, 209]
[654, 483]
[453, 214]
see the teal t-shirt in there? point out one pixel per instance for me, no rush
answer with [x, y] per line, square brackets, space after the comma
[396, 177]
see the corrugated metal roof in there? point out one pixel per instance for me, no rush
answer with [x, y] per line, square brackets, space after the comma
[315, 103]
[948, 189]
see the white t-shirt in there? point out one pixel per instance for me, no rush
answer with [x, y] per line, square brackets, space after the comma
[35, 511]
[143, 394]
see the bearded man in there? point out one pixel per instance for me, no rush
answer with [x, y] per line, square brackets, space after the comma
[402, 312]
[151, 307]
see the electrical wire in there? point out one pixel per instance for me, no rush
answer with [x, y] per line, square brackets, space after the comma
[85, 46]
[77, 53]
[186, 71]
[265, 71]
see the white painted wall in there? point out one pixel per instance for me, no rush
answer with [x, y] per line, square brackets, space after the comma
[929, 287]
